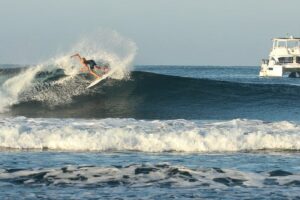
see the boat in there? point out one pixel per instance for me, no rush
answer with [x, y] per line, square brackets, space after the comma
[284, 58]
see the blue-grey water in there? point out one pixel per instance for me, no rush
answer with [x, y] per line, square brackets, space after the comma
[167, 132]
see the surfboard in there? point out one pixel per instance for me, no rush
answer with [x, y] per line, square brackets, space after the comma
[98, 80]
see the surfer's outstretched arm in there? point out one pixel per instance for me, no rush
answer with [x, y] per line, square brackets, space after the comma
[81, 61]
[76, 55]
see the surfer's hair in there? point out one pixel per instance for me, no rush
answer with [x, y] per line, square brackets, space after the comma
[83, 58]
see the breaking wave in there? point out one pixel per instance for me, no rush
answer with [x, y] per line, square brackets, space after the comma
[148, 136]
[56, 81]
[147, 96]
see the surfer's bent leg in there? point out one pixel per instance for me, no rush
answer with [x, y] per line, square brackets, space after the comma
[94, 74]
[91, 70]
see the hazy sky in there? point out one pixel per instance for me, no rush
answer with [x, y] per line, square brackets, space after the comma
[181, 32]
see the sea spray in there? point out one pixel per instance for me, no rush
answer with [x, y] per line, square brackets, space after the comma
[11, 88]
[110, 47]
[102, 46]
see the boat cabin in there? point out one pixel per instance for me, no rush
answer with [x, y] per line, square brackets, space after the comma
[283, 58]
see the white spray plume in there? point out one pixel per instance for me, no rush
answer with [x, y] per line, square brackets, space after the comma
[102, 45]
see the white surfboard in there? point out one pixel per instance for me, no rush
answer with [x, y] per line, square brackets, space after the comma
[98, 80]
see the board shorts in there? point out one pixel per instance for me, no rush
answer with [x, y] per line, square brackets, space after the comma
[91, 64]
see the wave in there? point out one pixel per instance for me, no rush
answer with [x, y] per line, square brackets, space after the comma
[55, 82]
[148, 136]
[155, 96]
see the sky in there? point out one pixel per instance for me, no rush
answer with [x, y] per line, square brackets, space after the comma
[166, 32]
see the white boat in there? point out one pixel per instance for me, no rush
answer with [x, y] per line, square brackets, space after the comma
[284, 58]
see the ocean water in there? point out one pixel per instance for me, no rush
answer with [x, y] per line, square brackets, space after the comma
[158, 132]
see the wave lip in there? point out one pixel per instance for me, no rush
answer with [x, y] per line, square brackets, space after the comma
[148, 136]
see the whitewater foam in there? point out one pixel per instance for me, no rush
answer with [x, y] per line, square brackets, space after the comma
[148, 175]
[148, 136]
[12, 87]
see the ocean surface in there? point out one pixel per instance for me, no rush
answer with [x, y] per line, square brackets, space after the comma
[160, 132]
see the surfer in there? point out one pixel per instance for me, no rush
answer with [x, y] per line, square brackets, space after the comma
[90, 65]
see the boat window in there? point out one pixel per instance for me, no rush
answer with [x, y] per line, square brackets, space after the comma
[298, 59]
[284, 60]
[265, 61]
[270, 68]
[281, 44]
[292, 44]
